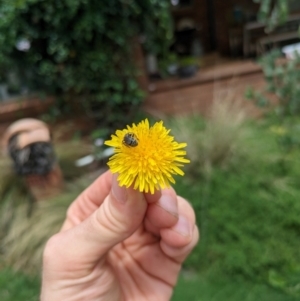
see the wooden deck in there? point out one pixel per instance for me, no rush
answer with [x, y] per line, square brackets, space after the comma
[196, 94]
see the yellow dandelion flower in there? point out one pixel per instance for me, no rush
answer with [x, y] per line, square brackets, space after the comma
[146, 157]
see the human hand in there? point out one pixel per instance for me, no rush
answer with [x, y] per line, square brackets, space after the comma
[119, 244]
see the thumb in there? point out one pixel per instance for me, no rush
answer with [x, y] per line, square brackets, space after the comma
[120, 214]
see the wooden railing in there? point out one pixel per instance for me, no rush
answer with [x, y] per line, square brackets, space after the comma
[256, 40]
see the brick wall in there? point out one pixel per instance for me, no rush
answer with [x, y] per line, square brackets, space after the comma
[196, 95]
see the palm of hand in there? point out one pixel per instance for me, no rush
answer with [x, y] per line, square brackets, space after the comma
[111, 250]
[140, 270]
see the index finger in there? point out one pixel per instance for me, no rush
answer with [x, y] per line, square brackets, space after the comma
[88, 201]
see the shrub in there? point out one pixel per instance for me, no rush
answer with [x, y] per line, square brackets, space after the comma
[282, 76]
[83, 49]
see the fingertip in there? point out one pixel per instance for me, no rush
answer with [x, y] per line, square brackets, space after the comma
[183, 226]
[180, 234]
[179, 248]
[170, 191]
[119, 193]
[163, 213]
[174, 239]
[152, 198]
[159, 217]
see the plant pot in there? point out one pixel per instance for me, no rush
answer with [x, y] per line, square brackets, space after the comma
[187, 71]
[28, 143]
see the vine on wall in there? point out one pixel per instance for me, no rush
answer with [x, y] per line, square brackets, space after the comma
[82, 48]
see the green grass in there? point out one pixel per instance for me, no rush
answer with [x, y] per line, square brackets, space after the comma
[199, 288]
[245, 193]
[17, 286]
[247, 207]
[250, 226]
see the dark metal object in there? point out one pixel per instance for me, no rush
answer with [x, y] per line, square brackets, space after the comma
[36, 158]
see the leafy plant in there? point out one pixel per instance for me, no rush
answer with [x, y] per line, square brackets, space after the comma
[282, 93]
[83, 49]
[273, 13]
[17, 286]
[282, 78]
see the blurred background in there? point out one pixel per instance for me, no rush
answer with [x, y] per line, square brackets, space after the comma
[223, 75]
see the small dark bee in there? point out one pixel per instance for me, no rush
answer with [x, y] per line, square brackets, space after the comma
[130, 140]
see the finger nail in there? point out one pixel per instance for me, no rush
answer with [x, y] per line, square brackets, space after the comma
[183, 226]
[119, 193]
[169, 204]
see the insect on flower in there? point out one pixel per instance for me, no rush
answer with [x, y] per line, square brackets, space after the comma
[152, 164]
[130, 140]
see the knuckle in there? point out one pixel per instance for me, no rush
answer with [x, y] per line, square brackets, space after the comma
[110, 220]
[52, 248]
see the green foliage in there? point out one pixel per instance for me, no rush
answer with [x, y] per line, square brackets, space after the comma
[17, 286]
[273, 13]
[282, 78]
[199, 287]
[83, 49]
[188, 61]
[247, 209]
[249, 225]
[195, 287]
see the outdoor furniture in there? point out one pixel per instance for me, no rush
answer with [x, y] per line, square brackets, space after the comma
[265, 43]
[255, 37]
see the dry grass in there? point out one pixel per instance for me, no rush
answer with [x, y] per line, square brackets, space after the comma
[25, 226]
[217, 140]
[29, 226]
[28, 232]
